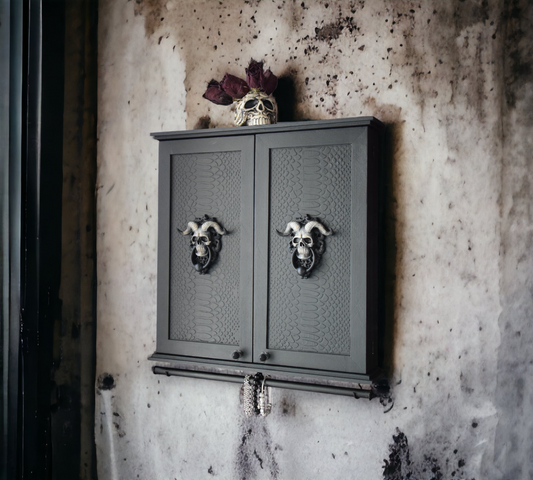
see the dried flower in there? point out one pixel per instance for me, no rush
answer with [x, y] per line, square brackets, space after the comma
[216, 94]
[269, 82]
[254, 74]
[234, 86]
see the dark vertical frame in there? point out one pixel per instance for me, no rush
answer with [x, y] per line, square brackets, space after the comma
[11, 43]
[72, 317]
[374, 250]
[33, 138]
[35, 457]
[15, 228]
[50, 259]
[42, 163]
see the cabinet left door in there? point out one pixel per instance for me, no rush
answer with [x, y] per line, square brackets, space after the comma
[206, 315]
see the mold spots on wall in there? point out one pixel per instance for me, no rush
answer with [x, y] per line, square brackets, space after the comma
[518, 51]
[400, 466]
[255, 451]
[105, 382]
[204, 122]
[453, 60]
[514, 442]
[117, 424]
[333, 30]
[153, 12]
[287, 405]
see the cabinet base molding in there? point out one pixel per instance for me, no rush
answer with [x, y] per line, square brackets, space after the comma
[368, 391]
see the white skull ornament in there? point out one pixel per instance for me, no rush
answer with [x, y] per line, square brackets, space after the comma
[200, 241]
[303, 241]
[205, 242]
[307, 243]
[256, 108]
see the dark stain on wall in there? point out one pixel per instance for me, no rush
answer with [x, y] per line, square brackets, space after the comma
[105, 382]
[400, 466]
[117, 423]
[153, 12]
[255, 451]
[287, 405]
[457, 48]
[518, 51]
[513, 440]
[204, 122]
[333, 30]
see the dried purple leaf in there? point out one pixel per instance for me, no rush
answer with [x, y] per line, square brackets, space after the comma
[269, 82]
[234, 86]
[254, 74]
[216, 94]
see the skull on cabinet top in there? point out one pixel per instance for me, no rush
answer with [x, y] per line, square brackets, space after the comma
[256, 108]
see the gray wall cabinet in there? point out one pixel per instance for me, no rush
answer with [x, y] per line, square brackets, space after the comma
[252, 311]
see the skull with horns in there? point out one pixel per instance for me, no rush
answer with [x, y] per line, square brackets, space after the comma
[307, 243]
[205, 242]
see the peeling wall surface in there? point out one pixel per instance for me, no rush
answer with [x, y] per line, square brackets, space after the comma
[453, 82]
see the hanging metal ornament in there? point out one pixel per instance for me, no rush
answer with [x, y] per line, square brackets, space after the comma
[265, 406]
[256, 396]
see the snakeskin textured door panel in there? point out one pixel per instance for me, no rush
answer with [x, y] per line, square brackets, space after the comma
[209, 315]
[315, 322]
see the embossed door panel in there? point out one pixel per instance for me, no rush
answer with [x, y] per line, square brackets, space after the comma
[317, 322]
[206, 315]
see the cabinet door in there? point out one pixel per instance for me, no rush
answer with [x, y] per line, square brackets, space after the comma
[318, 322]
[206, 315]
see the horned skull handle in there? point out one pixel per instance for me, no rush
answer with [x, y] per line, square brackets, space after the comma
[307, 243]
[205, 242]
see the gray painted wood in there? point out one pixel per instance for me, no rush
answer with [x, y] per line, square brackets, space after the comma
[223, 367]
[318, 322]
[206, 315]
[321, 327]
[275, 128]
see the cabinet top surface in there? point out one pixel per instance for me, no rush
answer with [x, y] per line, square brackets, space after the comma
[278, 127]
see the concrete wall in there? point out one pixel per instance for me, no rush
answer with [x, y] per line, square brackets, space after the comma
[453, 82]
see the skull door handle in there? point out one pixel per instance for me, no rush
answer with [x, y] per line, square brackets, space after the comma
[205, 243]
[307, 243]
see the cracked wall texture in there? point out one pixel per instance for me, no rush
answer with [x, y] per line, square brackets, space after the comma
[453, 82]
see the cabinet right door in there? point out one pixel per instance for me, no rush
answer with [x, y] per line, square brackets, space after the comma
[320, 322]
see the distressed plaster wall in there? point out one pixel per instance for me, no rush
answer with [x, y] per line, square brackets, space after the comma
[453, 82]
